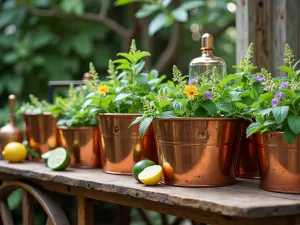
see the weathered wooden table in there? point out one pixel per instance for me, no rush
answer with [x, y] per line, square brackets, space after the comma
[240, 204]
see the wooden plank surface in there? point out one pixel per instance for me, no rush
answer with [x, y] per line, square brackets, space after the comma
[244, 199]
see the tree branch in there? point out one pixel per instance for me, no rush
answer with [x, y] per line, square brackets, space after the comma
[92, 17]
[168, 56]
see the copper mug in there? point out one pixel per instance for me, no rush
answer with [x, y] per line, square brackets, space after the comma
[197, 152]
[121, 144]
[279, 163]
[83, 145]
[247, 162]
[41, 132]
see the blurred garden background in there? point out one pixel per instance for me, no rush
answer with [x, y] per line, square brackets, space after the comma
[46, 40]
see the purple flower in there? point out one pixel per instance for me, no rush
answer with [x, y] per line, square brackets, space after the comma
[267, 88]
[275, 101]
[193, 81]
[278, 95]
[284, 85]
[259, 79]
[207, 95]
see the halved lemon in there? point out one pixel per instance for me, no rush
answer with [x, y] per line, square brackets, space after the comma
[152, 175]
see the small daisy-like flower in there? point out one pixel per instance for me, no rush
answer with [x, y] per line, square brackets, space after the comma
[191, 91]
[208, 95]
[275, 102]
[193, 81]
[103, 89]
[283, 85]
[259, 79]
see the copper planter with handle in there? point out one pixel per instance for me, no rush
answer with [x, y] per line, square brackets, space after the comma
[247, 162]
[41, 132]
[83, 145]
[279, 163]
[121, 145]
[197, 152]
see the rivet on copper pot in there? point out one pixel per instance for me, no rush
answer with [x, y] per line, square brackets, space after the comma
[116, 130]
[202, 134]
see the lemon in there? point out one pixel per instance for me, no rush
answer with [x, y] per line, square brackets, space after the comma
[151, 175]
[15, 152]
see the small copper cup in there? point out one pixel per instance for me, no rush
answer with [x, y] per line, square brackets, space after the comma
[83, 145]
[247, 162]
[41, 132]
[121, 145]
[279, 163]
[197, 152]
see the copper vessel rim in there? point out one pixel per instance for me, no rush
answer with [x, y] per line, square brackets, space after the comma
[35, 114]
[199, 119]
[120, 114]
[75, 128]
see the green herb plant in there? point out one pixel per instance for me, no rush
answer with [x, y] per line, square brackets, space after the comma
[278, 110]
[72, 112]
[35, 106]
[122, 92]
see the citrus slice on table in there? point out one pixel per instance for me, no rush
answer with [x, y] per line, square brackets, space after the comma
[151, 175]
[46, 155]
[140, 166]
[59, 159]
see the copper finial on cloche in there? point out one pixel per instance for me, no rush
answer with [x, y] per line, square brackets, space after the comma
[10, 132]
[204, 65]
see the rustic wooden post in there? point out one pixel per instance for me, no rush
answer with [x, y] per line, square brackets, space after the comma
[85, 212]
[269, 24]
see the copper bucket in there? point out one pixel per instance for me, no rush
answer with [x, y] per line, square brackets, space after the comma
[279, 163]
[247, 162]
[121, 145]
[41, 132]
[83, 145]
[197, 152]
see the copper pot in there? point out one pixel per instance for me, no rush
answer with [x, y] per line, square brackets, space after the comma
[247, 162]
[279, 163]
[83, 145]
[121, 145]
[41, 132]
[197, 152]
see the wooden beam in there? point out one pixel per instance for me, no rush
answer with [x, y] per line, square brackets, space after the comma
[85, 211]
[269, 24]
[27, 208]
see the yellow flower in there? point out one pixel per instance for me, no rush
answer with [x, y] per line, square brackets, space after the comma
[191, 91]
[103, 89]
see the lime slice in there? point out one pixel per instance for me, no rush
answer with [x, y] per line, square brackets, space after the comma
[59, 159]
[140, 166]
[46, 155]
[151, 175]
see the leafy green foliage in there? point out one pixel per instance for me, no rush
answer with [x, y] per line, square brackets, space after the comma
[165, 15]
[279, 108]
[126, 84]
[72, 112]
[35, 106]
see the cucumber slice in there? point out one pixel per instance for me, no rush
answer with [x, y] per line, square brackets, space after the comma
[59, 159]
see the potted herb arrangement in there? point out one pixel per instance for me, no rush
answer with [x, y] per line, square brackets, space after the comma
[197, 129]
[40, 125]
[247, 88]
[277, 129]
[77, 128]
[119, 102]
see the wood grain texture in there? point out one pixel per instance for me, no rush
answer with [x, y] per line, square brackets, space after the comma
[269, 24]
[243, 199]
[27, 208]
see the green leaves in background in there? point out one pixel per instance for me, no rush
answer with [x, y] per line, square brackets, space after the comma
[280, 113]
